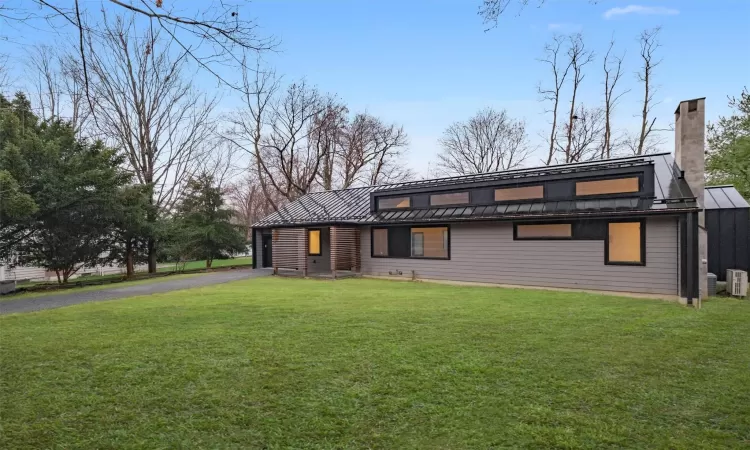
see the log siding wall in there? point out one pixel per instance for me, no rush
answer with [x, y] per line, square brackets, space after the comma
[486, 252]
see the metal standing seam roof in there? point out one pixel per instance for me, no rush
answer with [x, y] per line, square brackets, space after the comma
[724, 197]
[352, 206]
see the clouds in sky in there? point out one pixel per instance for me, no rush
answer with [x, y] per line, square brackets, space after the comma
[640, 9]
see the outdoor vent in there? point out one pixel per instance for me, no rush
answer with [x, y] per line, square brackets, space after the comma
[737, 282]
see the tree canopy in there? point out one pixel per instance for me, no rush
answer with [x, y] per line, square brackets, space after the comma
[728, 160]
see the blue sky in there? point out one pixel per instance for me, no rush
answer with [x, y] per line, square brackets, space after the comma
[427, 63]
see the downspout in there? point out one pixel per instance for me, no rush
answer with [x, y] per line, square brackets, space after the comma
[253, 247]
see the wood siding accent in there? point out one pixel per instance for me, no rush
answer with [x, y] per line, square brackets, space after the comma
[345, 245]
[289, 250]
[487, 253]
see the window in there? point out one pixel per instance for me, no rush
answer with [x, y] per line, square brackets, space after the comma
[625, 243]
[454, 198]
[380, 242]
[394, 202]
[544, 231]
[408, 242]
[521, 193]
[615, 186]
[314, 242]
[429, 242]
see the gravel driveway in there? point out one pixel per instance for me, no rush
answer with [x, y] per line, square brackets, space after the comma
[73, 298]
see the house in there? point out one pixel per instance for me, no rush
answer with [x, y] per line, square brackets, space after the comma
[728, 229]
[632, 224]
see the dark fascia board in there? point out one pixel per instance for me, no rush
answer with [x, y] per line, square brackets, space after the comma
[525, 180]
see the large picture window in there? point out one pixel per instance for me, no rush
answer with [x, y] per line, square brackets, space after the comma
[614, 186]
[313, 242]
[625, 243]
[429, 242]
[411, 242]
[521, 193]
[394, 202]
[453, 198]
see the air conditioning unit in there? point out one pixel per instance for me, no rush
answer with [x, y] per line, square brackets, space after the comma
[737, 282]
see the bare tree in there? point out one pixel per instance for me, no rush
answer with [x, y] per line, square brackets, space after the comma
[4, 73]
[290, 156]
[58, 81]
[579, 57]
[612, 74]
[211, 34]
[649, 43]
[552, 58]
[488, 142]
[144, 104]
[249, 202]
[41, 62]
[585, 138]
[331, 124]
[372, 152]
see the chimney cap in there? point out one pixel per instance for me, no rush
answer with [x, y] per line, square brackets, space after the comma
[677, 111]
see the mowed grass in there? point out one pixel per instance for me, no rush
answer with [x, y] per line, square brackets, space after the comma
[215, 264]
[289, 363]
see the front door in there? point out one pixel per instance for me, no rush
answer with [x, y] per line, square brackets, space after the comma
[267, 255]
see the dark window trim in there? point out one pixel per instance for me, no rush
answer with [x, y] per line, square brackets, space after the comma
[607, 262]
[516, 238]
[638, 193]
[372, 247]
[378, 208]
[320, 241]
[452, 205]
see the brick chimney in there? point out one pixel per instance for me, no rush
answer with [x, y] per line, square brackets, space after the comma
[689, 139]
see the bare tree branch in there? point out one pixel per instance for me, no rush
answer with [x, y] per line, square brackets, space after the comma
[612, 73]
[649, 43]
[488, 142]
[552, 94]
[578, 57]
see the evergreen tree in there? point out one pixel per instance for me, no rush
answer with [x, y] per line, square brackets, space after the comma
[202, 227]
[63, 193]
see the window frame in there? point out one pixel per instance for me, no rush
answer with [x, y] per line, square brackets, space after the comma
[449, 205]
[320, 241]
[638, 176]
[447, 241]
[378, 199]
[549, 238]
[642, 262]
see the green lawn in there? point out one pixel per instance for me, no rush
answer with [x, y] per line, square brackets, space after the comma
[190, 265]
[289, 363]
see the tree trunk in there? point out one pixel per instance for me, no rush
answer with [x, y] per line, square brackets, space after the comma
[151, 255]
[129, 257]
[59, 280]
[209, 261]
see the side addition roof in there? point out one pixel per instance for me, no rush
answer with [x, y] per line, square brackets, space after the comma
[724, 197]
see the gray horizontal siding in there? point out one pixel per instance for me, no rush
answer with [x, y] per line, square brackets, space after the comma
[487, 253]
